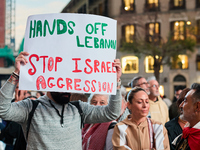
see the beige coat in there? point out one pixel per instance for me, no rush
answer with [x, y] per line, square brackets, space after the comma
[159, 111]
[128, 136]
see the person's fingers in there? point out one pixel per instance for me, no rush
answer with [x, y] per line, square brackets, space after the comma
[116, 63]
[21, 59]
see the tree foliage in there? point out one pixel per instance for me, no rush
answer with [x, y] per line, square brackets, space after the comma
[160, 48]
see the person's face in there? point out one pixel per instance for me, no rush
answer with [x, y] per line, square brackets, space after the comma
[143, 84]
[188, 107]
[17, 88]
[99, 100]
[154, 88]
[19, 94]
[140, 105]
[38, 95]
[61, 98]
[177, 93]
[27, 94]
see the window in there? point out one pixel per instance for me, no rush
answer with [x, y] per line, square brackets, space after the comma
[179, 78]
[101, 9]
[179, 62]
[198, 62]
[2, 61]
[82, 9]
[130, 64]
[91, 2]
[128, 6]
[5, 62]
[152, 5]
[153, 32]
[178, 30]
[161, 90]
[177, 4]
[197, 3]
[149, 62]
[198, 31]
[128, 33]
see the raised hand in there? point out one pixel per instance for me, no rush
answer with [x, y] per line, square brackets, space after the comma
[20, 60]
[117, 65]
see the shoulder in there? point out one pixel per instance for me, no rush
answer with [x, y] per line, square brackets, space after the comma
[155, 122]
[121, 128]
[158, 126]
[123, 124]
[162, 103]
[81, 103]
[159, 129]
[26, 103]
[170, 123]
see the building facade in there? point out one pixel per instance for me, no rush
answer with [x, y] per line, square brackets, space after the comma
[6, 52]
[170, 15]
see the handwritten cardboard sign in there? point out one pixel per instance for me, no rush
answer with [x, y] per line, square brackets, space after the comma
[70, 53]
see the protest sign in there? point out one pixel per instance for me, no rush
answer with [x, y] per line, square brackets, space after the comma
[70, 53]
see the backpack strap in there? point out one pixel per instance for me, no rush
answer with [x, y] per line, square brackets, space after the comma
[76, 103]
[35, 104]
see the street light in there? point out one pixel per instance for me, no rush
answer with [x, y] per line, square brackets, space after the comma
[188, 23]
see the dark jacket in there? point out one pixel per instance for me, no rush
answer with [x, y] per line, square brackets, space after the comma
[174, 130]
[13, 135]
[173, 111]
[183, 145]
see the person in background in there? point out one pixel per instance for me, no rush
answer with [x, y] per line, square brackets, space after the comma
[140, 82]
[167, 101]
[177, 92]
[158, 109]
[12, 134]
[78, 96]
[19, 94]
[2, 126]
[124, 110]
[173, 108]
[137, 131]
[98, 135]
[39, 93]
[190, 108]
[176, 125]
[27, 94]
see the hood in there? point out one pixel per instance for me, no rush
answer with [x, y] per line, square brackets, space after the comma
[127, 121]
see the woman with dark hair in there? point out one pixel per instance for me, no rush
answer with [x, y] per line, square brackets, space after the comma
[138, 132]
[176, 125]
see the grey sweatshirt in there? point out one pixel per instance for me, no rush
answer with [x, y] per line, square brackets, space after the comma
[45, 131]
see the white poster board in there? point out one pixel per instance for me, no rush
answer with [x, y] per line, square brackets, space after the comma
[70, 53]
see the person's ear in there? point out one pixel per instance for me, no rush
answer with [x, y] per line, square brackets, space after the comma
[197, 109]
[129, 105]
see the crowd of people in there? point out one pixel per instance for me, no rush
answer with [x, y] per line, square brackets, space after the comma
[133, 120]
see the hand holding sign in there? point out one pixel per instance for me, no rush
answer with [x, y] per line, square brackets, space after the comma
[117, 64]
[20, 59]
